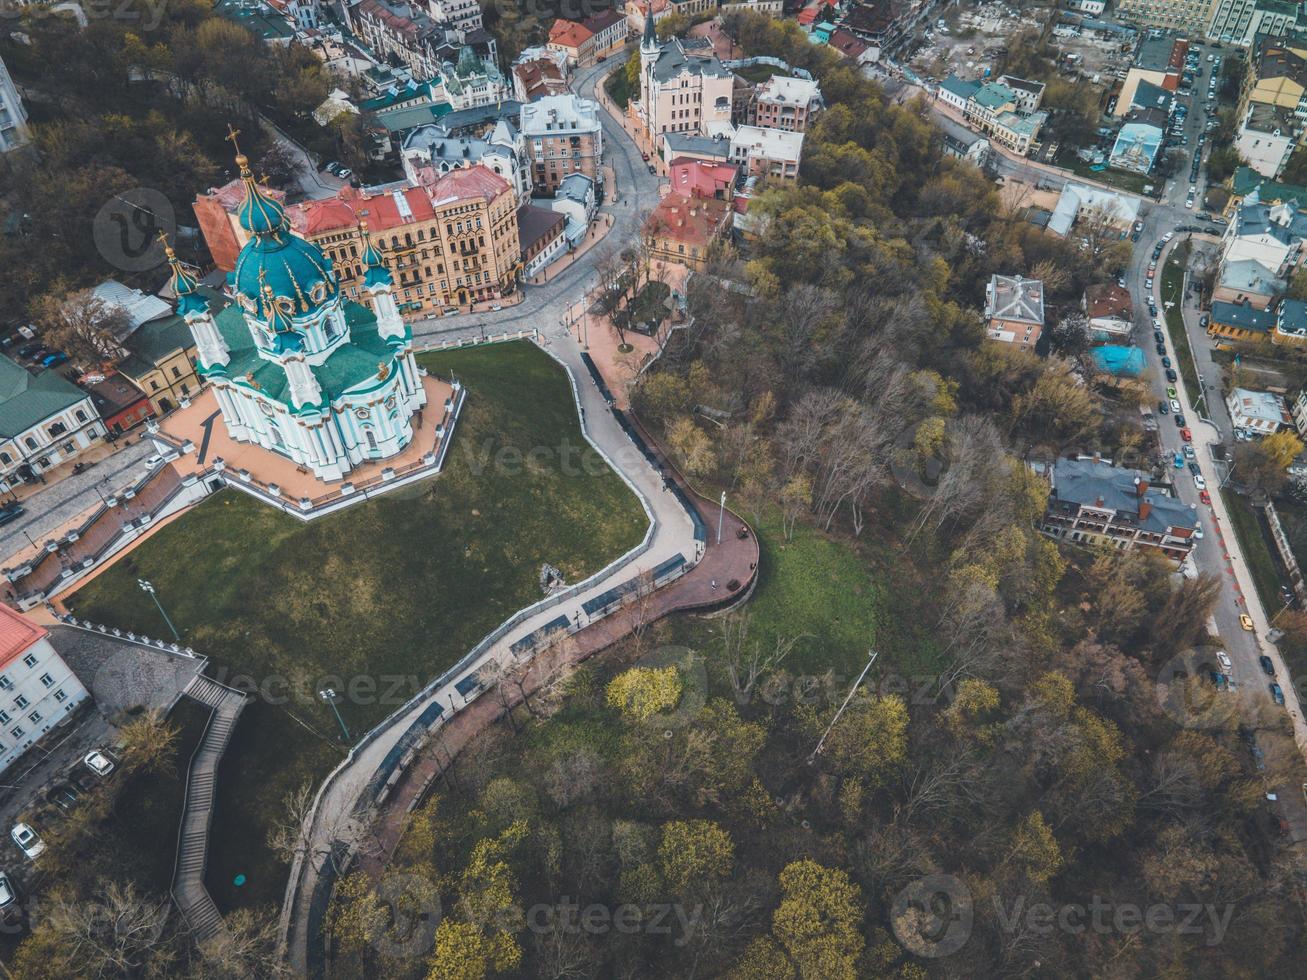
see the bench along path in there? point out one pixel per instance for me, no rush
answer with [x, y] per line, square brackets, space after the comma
[193, 836]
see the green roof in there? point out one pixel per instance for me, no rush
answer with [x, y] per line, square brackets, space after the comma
[992, 95]
[27, 400]
[399, 120]
[153, 341]
[259, 21]
[1270, 191]
[349, 366]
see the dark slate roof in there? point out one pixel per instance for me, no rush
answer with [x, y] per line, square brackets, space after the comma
[1085, 482]
[535, 223]
[1242, 315]
[1293, 316]
[672, 60]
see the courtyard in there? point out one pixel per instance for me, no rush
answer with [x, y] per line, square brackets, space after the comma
[373, 601]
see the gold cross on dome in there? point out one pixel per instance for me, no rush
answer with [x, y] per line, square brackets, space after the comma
[232, 133]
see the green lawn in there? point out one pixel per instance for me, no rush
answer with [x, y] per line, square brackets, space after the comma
[378, 599]
[1257, 549]
[1132, 183]
[841, 599]
[1172, 288]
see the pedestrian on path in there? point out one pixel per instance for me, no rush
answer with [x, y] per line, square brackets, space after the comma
[714, 585]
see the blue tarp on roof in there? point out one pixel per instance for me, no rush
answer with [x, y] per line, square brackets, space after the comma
[1119, 360]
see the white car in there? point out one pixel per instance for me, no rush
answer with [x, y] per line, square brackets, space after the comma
[1189, 203]
[153, 462]
[28, 840]
[1149, 282]
[7, 895]
[1223, 659]
[1168, 236]
[99, 763]
[1175, 406]
[1199, 482]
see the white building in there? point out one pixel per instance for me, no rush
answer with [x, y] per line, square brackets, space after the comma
[576, 199]
[296, 368]
[472, 82]
[463, 14]
[429, 152]
[767, 152]
[13, 117]
[38, 690]
[1257, 412]
[1267, 138]
[1271, 234]
[45, 420]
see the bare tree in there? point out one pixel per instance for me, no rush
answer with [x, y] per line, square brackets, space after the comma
[289, 834]
[117, 933]
[83, 326]
[747, 663]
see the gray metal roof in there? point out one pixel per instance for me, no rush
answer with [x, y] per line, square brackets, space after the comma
[1100, 484]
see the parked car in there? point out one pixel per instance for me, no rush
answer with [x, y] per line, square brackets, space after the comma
[1181, 422]
[1246, 622]
[1204, 320]
[55, 359]
[1166, 362]
[344, 173]
[1171, 375]
[10, 512]
[1267, 666]
[1199, 482]
[1188, 452]
[1223, 659]
[1163, 408]
[1187, 436]
[27, 350]
[27, 840]
[1220, 681]
[99, 762]
[1205, 497]
[1193, 468]
[1175, 406]
[1179, 461]
[1277, 694]
[1159, 337]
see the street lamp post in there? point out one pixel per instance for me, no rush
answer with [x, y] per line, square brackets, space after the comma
[721, 513]
[148, 587]
[329, 695]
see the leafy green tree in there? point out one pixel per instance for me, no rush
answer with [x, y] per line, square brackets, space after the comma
[819, 921]
[694, 851]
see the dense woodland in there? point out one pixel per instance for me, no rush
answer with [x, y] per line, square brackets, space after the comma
[1043, 767]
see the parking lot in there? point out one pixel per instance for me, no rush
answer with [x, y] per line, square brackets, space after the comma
[124, 680]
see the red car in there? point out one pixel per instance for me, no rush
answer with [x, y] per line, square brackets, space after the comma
[1186, 435]
[1205, 497]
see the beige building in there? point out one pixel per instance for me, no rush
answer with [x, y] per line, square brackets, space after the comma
[785, 103]
[681, 93]
[1185, 16]
[562, 136]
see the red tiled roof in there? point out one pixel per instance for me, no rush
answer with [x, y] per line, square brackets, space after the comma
[230, 196]
[808, 15]
[846, 44]
[569, 33]
[382, 212]
[17, 633]
[540, 77]
[700, 178]
[692, 220]
[1108, 299]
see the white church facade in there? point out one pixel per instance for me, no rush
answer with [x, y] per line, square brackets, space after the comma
[296, 368]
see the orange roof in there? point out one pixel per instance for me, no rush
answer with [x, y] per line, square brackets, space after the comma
[569, 33]
[701, 178]
[694, 221]
[17, 633]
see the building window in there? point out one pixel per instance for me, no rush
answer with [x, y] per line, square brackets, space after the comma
[17, 732]
[59, 696]
[5, 683]
[4, 717]
[31, 443]
[47, 680]
[35, 717]
[30, 660]
[81, 416]
[154, 385]
[5, 459]
[21, 702]
[58, 429]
